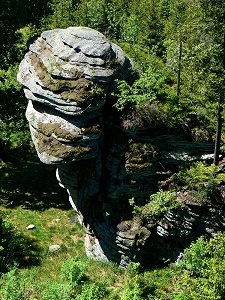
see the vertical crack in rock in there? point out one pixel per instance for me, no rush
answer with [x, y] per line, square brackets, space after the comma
[68, 76]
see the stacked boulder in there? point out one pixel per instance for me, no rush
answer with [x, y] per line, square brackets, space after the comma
[68, 77]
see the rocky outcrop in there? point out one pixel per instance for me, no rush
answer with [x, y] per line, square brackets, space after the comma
[69, 76]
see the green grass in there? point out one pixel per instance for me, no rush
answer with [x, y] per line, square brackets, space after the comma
[27, 198]
[54, 226]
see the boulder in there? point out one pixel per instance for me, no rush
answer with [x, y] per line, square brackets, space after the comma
[30, 226]
[54, 248]
[69, 77]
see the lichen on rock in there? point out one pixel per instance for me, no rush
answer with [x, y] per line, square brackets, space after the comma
[102, 159]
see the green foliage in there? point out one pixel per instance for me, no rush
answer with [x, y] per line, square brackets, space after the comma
[155, 284]
[201, 179]
[12, 102]
[56, 291]
[14, 134]
[62, 15]
[13, 126]
[134, 269]
[199, 29]
[136, 208]
[200, 174]
[93, 14]
[132, 289]
[75, 284]
[160, 203]
[153, 85]
[205, 276]
[194, 257]
[12, 287]
[8, 79]
[73, 271]
[92, 291]
[130, 29]
[25, 33]
[14, 15]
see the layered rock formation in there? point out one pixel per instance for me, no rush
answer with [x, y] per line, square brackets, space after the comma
[68, 77]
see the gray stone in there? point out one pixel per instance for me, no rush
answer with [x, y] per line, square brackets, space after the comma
[30, 227]
[102, 161]
[86, 33]
[54, 248]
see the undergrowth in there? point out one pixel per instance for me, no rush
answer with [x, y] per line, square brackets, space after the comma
[30, 271]
[68, 273]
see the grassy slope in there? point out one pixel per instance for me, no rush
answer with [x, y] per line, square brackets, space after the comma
[29, 193]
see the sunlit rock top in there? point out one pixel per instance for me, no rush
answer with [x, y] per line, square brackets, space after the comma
[72, 70]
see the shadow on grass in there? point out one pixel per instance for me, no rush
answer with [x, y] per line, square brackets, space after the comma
[15, 248]
[27, 182]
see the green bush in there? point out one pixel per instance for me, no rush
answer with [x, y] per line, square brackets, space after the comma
[12, 287]
[74, 284]
[14, 134]
[14, 130]
[202, 180]
[160, 203]
[56, 291]
[153, 85]
[200, 175]
[92, 291]
[73, 271]
[204, 275]
[132, 288]
[195, 257]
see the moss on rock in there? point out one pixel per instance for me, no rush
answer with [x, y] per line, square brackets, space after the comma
[49, 129]
[56, 85]
[94, 129]
[140, 156]
[53, 147]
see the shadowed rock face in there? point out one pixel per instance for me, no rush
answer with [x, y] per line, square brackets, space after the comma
[68, 76]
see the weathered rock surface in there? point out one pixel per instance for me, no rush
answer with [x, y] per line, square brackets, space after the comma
[68, 76]
[54, 248]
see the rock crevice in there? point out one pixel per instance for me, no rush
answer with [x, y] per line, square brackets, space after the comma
[68, 76]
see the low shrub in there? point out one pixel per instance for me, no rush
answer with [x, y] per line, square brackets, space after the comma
[160, 203]
[203, 270]
[12, 287]
[56, 291]
[202, 180]
[132, 288]
[92, 291]
[73, 284]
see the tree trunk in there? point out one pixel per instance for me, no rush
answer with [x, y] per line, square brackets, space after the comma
[179, 67]
[218, 133]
